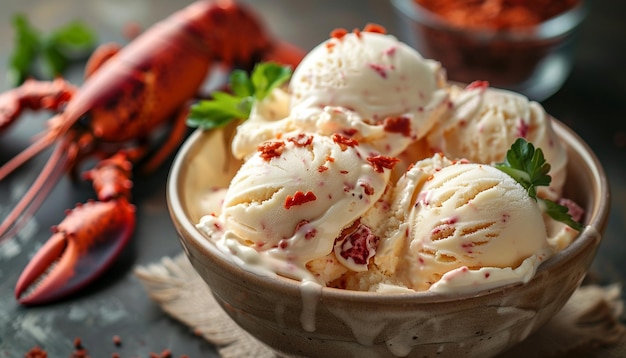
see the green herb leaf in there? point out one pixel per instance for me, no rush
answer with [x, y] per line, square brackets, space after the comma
[224, 107]
[57, 51]
[27, 43]
[528, 167]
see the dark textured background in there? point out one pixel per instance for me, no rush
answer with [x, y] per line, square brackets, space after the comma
[592, 102]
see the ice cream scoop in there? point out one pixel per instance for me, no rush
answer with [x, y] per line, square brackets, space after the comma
[293, 200]
[461, 218]
[364, 84]
[483, 122]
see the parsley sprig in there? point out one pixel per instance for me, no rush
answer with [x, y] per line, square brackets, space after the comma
[528, 167]
[54, 51]
[225, 107]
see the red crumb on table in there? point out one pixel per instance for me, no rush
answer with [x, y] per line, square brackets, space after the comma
[375, 28]
[36, 352]
[78, 344]
[399, 124]
[117, 341]
[115, 355]
[166, 353]
[344, 142]
[381, 162]
[497, 14]
[271, 150]
[299, 198]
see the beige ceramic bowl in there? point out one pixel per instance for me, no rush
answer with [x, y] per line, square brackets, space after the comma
[305, 321]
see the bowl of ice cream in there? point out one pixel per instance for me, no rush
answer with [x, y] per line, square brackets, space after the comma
[329, 224]
[523, 46]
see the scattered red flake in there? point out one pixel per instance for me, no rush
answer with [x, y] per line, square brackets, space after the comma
[299, 198]
[344, 142]
[283, 244]
[302, 140]
[381, 70]
[322, 168]
[367, 189]
[80, 353]
[357, 32]
[477, 85]
[338, 33]
[330, 159]
[115, 355]
[166, 353]
[522, 128]
[381, 162]
[36, 352]
[359, 244]
[310, 232]
[271, 150]
[330, 46]
[400, 124]
[117, 341]
[487, 274]
[350, 132]
[344, 172]
[575, 211]
[375, 28]
[78, 343]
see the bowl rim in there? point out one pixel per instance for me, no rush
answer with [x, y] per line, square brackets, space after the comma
[554, 27]
[590, 237]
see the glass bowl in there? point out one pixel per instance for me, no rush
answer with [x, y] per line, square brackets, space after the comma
[534, 61]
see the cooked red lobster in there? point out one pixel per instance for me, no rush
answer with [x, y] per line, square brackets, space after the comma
[128, 94]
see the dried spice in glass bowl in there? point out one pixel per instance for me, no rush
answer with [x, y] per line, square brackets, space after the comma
[524, 46]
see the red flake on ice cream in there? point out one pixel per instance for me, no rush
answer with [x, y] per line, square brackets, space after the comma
[380, 69]
[376, 28]
[322, 168]
[271, 150]
[359, 245]
[299, 198]
[343, 141]
[478, 85]
[522, 128]
[399, 124]
[368, 189]
[381, 162]
[301, 140]
[338, 33]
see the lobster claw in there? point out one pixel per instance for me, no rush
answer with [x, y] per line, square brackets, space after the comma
[83, 245]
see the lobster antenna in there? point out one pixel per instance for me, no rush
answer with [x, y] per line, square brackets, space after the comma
[31, 201]
[27, 154]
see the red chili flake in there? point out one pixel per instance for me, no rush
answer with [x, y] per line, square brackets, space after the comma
[380, 69]
[343, 141]
[36, 352]
[283, 244]
[400, 124]
[322, 168]
[115, 355]
[299, 198]
[368, 189]
[330, 159]
[166, 353]
[271, 150]
[487, 274]
[117, 341]
[359, 244]
[375, 28]
[344, 172]
[302, 140]
[78, 343]
[350, 132]
[477, 85]
[522, 128]
[338, 33]
[380, 162]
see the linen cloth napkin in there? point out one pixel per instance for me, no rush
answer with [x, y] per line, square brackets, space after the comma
[589, 325]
